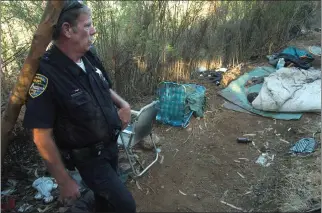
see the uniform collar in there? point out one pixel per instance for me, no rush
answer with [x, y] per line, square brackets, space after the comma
[57, 56]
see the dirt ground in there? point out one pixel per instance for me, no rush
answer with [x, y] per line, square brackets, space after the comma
[201, 163]
[205, 169]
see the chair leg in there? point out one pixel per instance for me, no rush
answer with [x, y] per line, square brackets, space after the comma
[128, 156]
[155, 160]
[127, 153]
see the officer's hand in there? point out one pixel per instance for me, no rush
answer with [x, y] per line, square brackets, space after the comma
[69, 192]
[125, 116]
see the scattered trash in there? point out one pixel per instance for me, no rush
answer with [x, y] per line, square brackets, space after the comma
[246, 193]
[201, 69]
[182, 192]
[8, 204]
[289, 129]
[315, 50]
[246, 159]
[187, 138]
[232, 206]
[221, 69]
[237, 161]
[168, 129]
[8, 191]
[158, 150]
[284, 141]
[24, 207]
[12, 182]
[177, 150]
[294, 57]
[253, 143]
[162, 187]
[44, 186]
[36, 173]
[212, 75]
[138, 185]
[216, 78]
[305, 145]
[43, 210]
[243, 140]
[265, 160]
[251, 135]
[242, 176]
[225, 193]
[280, 63]
[11, 187]
[162, 158]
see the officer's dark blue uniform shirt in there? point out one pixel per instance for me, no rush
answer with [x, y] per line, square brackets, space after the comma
[76, 104]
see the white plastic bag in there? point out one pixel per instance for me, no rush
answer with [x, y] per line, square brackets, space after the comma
[44, 186]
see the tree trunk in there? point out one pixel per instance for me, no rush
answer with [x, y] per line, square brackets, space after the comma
[40, 42]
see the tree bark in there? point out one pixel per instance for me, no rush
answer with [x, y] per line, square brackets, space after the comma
[40, 42]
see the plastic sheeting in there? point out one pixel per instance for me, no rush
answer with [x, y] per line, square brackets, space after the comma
[236, 93]
[290, 90]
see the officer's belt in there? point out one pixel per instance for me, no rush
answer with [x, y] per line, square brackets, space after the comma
[90, 151]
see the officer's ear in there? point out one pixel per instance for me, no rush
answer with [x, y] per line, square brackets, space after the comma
[67, 29]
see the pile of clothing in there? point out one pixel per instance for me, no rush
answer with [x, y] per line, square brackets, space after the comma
[291, 57]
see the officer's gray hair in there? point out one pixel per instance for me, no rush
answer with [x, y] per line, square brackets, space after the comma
[70, 16]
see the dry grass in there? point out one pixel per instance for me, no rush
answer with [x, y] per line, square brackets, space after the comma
[301, 190]
[292, 183]
[301, 186]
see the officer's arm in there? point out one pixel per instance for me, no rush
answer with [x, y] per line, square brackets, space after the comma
[40, 118]
[49, 152]
[118, 101]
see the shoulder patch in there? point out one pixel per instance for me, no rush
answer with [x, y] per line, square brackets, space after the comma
[38, 86]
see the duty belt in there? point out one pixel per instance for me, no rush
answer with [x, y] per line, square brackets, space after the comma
[90, 151]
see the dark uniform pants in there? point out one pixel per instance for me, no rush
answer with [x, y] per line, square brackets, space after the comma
[100, 175]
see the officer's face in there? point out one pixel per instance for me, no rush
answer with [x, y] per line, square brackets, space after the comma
[82, 37]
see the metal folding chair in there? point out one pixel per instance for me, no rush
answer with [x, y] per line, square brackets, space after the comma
[140, 127]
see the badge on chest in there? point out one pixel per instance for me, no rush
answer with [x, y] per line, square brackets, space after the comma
[99, 72]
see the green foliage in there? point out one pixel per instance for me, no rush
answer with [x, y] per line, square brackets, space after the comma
[144, 42]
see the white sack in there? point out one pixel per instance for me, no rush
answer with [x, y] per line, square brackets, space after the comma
[290, 90]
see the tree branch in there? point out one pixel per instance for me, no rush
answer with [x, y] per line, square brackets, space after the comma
[40, 41]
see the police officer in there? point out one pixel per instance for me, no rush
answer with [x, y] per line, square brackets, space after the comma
[73, 110]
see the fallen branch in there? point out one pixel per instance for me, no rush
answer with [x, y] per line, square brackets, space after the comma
[182, 192]
[232, 206]
[187, 138]
[40, 42]
[149, 187]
